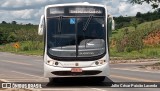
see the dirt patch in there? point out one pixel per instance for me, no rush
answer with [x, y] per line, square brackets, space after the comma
[152, 39]
[132, 61]
[155, 66]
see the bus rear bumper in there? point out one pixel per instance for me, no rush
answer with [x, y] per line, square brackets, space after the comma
[97, 71]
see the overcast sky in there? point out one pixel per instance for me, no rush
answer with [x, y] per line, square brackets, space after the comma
[29, 11]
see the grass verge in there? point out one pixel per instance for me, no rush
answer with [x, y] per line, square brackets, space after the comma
[27, 49]
[146, 53]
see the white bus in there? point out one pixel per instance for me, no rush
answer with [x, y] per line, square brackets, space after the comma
[76, 40]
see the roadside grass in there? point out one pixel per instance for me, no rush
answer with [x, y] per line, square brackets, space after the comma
[32, 52]
[146, 53]
[26, 48]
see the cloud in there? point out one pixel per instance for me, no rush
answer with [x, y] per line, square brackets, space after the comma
[131, 10]
[29, 11]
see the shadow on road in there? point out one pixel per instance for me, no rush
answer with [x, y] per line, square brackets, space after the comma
[78, 82]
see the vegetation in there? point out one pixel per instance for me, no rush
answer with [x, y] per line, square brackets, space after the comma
[25, 36]
[129, 42]
[122, 22]
[14, 32]
[134, 37]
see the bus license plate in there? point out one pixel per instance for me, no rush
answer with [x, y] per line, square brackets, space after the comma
[76, 70]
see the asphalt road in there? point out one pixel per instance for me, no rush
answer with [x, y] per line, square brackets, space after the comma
[20, 68]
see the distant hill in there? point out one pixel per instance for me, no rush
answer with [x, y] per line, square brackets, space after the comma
[126, 21]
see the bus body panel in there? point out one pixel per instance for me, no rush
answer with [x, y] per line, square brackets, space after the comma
[104, 68]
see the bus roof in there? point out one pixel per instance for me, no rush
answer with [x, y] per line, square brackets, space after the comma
[75, 4]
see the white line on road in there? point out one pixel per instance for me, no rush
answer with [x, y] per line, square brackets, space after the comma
[15, 62]
[47, 89]
[136, 70]
[40, 60]
[98, 89]
[4, 80]
[27, 74]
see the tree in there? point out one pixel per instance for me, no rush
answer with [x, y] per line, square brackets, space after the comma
[135, 23]
[154, 3]
[14, 22]
[138, 15]
[29, 24]
[4, 22]
[158, 10]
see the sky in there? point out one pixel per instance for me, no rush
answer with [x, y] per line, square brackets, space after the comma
[30, 11]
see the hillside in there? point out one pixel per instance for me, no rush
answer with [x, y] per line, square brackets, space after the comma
[140, 42]
[152, 39]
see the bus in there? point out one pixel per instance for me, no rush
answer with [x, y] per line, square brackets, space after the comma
[76, 40]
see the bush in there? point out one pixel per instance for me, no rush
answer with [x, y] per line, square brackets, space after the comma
[129, 49]
[25, 48]
[153, 53]
[31, 45]
[133, 40]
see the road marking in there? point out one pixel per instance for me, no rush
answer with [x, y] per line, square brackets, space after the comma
[4, 80]
[27, 74]
[15, 62]
[98, 89]
[136, 70]
[47, 89]
[95, 88]
[40, 60]
[132, 78]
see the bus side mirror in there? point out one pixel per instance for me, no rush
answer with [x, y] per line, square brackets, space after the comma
[113, 25]
[41, 26]
[110, 25]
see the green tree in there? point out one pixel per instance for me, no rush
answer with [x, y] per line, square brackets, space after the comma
[138, 15]
[135, 23]
[4, 22]
[14, 22]
[154, 3]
